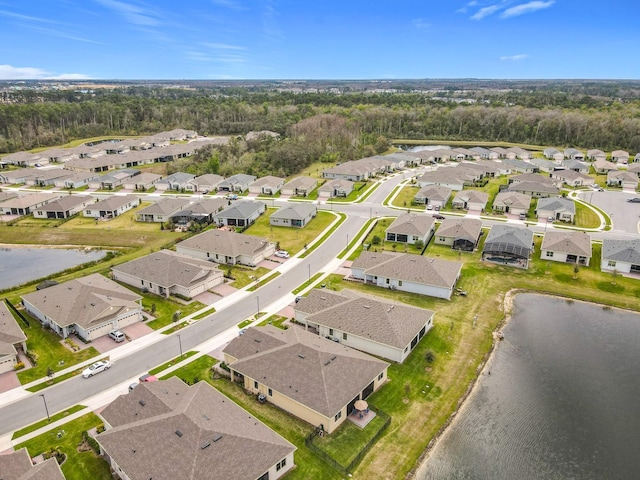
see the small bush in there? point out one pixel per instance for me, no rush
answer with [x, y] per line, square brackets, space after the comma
[18, 366]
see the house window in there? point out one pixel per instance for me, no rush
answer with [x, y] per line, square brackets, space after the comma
[281, 464]
[142, 282]
[612, 263]
[549, 254]
[338, 416]
[270, 393]
[399, 283]
[331, 332]
[381, 376]
[387, 281]
[442, 239]
[255, 384]
[344, 336]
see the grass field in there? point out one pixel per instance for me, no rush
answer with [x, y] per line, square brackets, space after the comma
[404, 198]
[585, 216]
[42, 423]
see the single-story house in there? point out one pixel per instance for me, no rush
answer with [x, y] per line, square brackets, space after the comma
[434, 277]
[636, 158]
[204, 183]
[560, 208]
[176, 181]
[573, 178]
[226, 247]
[566, 246]
[268, 185]
[162, 210]
[573, 154]
[501, 152]
[521, 166]
[484, 153]
[236, 183]
[299, 186]
[508, 245]
[535, 189]
[595, 154]
[89, 306]
[112, 206]
[411, 228]
[620, 156]
[544, 165]
[168, 429]
[602, 167]
[470, 200]
[142, 182]
[553, 154]
[200, 211]
[168, 273]
[460, 233]
[64, 207]
[622, 178]
[12, 338]
[75, 179]
[25, 204]
[112, 180]
[316, 379]
[19, 466]
[512, 202]
[521, 153]
[293, 215]
[575, 165]
[336, 188]
[434, 195]
[352, 171]
[620, 255]
[385, 329]
[449, 178]
[532, 178]
[25, 159]
[240, 214]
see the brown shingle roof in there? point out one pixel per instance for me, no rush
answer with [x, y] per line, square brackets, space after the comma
[571, 242]
[412, 224]
[10, 332]
[463, 228]
[17, 466]
[226, 243]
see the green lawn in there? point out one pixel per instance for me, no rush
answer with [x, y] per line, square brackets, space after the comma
[244, 275]
[585, 216]
[291, 239]
[46, 345]
[382, 245]
[274, 320]
[359, 188]
[172, 362]
[42, 423]
[405, 197]
[264, 281]
[80, 465]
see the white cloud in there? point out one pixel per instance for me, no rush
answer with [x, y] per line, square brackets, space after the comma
[223, 46]
[228, 4]
[523, 8]
[513, 58]
[27, 18]
[9, 72]
[466, 7]
[485, 12]
[133, 13]
[420, 23]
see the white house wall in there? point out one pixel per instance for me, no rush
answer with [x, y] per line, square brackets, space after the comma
[432, 291]
[618, 266]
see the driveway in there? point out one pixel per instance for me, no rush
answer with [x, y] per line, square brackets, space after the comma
[223, 290]
[106, 343]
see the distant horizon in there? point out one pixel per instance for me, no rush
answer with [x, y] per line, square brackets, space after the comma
[385, 80]
[251, 40]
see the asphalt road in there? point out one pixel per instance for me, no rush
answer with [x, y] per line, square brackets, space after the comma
[624, 215]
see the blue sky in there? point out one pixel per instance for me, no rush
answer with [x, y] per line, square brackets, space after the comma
[319, 39]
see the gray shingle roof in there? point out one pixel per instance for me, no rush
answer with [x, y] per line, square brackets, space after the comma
[533, 187]
[17, 466]
[316, 372]
[65, 203]
[621, 250]
[411, 268]
[165, 206]
[460, 228]
[301, 182]
[512, 199]
[557, 204]
[241, 209]
[471, 196]
[86, 301]
[571, 242]
[509, 239]
[434, 192]
[198, 433]
[269, 180]
[10, 332]
[226, 243]
[412, 224]
[114, 202]
[295, 211]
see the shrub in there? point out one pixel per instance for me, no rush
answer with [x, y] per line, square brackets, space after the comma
[18, 366]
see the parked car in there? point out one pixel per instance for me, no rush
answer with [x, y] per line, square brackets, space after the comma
[96, 368]
[148, 378]
[438, 216]
[429, 207]
[633, 200]
[117, 336]
[523, 216]
[282, 254]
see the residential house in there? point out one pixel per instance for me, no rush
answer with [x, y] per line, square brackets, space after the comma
[112, 180]
[622, 178]
[574, 154]
[299, 186]
[59, 155]
[470, 200]
[460, 233]
[204, 183]
[88, 306]
[566, 246]
[620, 255]
[19, 466]
[512, 202]
[268, 185]
[575, 165]
[293, 215]
[544, 165]
[558, 208]
[26, 203]
[227, 247]
[262, 134]
[620, 156]
[385, 329]
[433, 195]
[434, 277]
[521, 153]
[168, 429]
[236, 183]
[168, 273]
[75, 179]
[240, 214]
[484, 153]
[502, 168]
[535, 189]
[508, 245]
[602, 167]
[501, 152]
[162, 210]
[572, 178]
[553, 154]
[411, 228]
[45, 178]
[636, 158]
[143, 182]
[486, 169]
[336, 188]
[12, 339]
[521, 166]
[596, 154]
[199, 211]
[25, 159]
[449, 178]
[111, 207]
[316, 380]
[176, 182]
[64, 207]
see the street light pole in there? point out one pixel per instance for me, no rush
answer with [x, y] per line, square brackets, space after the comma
[309, 267]
[347, 241]
[45, 407]
[180, 343]
[258, 300]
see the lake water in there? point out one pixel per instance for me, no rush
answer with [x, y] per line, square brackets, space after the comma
[420, 148]
[561, 401]
[20, 265]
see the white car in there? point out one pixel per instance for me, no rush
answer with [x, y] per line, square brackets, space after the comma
[282, 254]
[97, 367]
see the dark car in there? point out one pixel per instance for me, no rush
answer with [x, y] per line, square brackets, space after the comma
[438, 217]
[634, 200]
